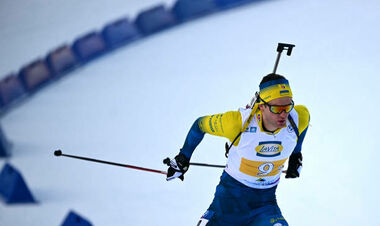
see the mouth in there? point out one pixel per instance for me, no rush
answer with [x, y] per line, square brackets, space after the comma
[281, 122]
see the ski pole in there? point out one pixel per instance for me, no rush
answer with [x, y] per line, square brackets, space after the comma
[280, 48]
[167, 162]
[59, 153]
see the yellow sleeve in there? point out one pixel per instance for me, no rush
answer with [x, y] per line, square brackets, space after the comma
[303, 117]
[226, 125]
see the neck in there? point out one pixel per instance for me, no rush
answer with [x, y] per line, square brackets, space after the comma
[268, 128]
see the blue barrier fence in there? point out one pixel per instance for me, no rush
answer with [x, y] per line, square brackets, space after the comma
[74, 219]
[94, 44]
[13, 188]
[119, 33]
[186, 10]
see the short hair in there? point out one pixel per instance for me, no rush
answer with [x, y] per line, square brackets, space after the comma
[271, 77]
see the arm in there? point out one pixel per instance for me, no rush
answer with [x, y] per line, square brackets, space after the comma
[226, 125]
[193, 138]
[295, 159]
[303, 125]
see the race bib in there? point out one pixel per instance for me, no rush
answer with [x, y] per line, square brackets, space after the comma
[261, 169]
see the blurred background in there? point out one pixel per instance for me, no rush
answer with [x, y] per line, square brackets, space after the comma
[123, 81]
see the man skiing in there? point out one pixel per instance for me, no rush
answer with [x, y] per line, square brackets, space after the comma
[262, 139]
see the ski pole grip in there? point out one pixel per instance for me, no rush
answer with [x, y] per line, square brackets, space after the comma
[166, 161]
[285, 46]
[58, 153]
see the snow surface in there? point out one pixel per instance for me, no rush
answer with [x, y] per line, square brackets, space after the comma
[136, 105]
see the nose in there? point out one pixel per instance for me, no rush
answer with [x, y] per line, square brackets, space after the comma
[283, 114]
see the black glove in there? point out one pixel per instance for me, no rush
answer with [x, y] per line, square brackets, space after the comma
[177, 167]
[294, 165]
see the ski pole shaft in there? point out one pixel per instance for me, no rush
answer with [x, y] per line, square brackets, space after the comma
[276, 63]
[207, 165]
[59, 153]
[167, 162]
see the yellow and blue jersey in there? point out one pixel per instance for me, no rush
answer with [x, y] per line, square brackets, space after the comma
[257, 157]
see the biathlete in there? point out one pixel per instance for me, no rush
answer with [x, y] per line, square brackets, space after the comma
[261, 139]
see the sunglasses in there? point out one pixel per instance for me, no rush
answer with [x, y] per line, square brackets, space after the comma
[278, 109]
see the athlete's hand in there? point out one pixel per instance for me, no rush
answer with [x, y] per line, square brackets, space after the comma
[294, 166]
[177, 167]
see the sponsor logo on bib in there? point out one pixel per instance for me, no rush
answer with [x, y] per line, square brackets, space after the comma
[251, 129]
[269, 148]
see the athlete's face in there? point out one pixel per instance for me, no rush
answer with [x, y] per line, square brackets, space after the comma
[271, 120]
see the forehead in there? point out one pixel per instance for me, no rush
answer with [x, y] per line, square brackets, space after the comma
[281, 101]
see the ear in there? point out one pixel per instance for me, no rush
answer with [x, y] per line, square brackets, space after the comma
[261, 106]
